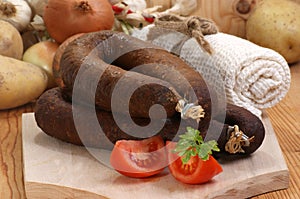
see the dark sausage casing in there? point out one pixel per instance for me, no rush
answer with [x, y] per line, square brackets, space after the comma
[162, 78]
[54, 116]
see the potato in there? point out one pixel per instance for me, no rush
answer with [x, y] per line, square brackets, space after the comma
[275, 24]
[11, 43]
[20, 82]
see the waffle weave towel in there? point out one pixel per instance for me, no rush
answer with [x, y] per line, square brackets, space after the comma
[250, 76]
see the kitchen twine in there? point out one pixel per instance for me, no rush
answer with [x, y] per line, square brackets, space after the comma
[190, 110]
[237, 139]
[193, 26]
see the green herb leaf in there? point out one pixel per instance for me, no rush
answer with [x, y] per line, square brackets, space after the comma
[191, 144]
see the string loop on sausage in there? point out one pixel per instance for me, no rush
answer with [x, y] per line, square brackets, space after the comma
[190, 110]
[237, 140]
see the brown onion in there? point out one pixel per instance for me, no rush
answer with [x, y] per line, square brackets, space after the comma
[64, 18]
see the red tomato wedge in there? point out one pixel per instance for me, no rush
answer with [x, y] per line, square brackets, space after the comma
[196, 171]
[139, 158]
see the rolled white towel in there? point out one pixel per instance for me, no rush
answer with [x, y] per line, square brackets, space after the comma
[251, 76]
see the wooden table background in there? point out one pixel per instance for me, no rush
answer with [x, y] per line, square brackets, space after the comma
[285, 118]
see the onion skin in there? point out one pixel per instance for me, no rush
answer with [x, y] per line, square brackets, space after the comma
[41, 54]
[64, 18]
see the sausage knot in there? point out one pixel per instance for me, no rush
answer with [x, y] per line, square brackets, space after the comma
[237, 140]
[190, 110]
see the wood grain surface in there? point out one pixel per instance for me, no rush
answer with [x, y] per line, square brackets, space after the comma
[285, 118]
[11, 175]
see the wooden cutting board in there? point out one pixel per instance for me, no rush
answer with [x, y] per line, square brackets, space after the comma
[57, 170]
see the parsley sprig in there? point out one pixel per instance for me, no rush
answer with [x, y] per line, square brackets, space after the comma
[191, 144]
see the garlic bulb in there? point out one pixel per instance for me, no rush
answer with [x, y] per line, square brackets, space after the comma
[16, 12]
[136, 5]
[182, 7]
[38, 6]
[37, 23]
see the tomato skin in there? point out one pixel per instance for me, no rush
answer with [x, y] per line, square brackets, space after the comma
[139, 158]
[196, 171]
